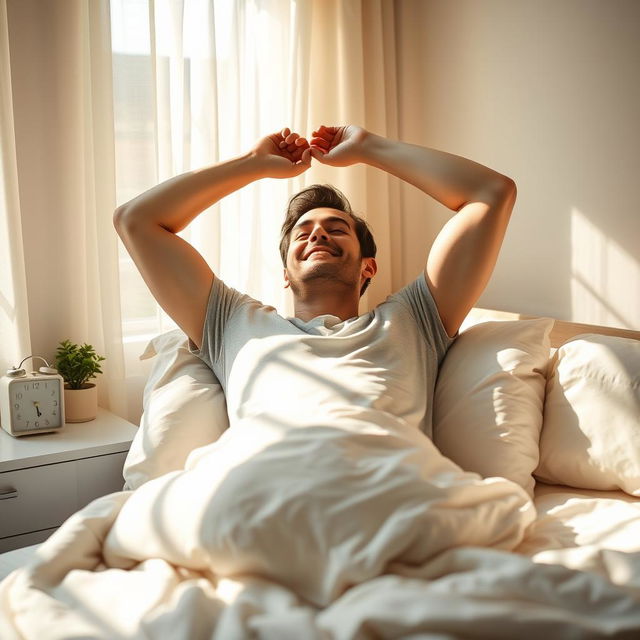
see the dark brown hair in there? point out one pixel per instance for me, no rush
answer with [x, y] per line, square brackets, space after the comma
[325, 195]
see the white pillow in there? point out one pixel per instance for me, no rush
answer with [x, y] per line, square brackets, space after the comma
[184, 408]
[591, 431]
[489, 396]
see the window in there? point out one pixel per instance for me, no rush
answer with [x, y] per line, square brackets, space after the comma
[190, 88]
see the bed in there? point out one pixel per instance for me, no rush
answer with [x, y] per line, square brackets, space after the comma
[520, 520]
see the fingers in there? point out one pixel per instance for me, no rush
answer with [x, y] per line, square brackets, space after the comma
[323, 128]
[306, 157]
[325, 132]
[296, 168]
[291, 141]
[322, 140]
[300, 151]
[317, 154]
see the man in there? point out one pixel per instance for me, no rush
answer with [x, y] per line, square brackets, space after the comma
[326, 361]
[327, 473]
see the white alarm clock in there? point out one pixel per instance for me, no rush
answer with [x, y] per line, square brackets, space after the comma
[31, 402]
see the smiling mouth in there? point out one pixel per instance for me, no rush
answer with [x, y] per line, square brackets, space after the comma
[320, 251]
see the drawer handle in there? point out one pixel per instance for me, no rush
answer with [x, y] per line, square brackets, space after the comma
[10, 492]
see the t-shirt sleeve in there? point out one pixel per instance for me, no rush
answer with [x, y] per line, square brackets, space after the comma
[223, 302]
[416, 296]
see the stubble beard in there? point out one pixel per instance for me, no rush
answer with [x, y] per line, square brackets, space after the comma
[330, 273]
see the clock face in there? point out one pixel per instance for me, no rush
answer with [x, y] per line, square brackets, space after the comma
[35, 404]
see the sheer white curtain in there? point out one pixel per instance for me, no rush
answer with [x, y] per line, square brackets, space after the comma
[112, 98]
[197, 82]
[14, 314]
[60, 273]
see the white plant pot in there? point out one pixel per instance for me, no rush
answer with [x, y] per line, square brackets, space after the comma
[81, 405]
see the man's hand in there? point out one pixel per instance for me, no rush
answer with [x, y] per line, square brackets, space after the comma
[338, 146]
[282, 155]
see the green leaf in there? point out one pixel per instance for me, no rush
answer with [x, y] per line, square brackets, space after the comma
[77, 364]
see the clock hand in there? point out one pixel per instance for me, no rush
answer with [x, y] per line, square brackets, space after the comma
[37, 409]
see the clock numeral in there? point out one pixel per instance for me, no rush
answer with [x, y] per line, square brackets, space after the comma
[36, 405]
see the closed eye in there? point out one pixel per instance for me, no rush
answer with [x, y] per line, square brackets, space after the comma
[303, 235]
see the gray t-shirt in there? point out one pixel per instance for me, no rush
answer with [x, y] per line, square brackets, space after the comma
[379, 367]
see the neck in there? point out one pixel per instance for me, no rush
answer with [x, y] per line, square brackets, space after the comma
[308, 306]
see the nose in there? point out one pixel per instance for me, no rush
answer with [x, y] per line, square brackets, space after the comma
[318, 232]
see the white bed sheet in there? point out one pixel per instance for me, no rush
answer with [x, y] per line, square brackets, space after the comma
[11, 560]
[569, 517]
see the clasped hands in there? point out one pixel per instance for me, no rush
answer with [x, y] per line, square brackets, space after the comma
[287, 154]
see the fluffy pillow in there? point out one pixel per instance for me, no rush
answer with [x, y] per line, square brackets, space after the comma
[591, 431]
[489, 396]
[183, 408]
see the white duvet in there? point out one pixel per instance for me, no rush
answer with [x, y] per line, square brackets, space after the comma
[325, 533]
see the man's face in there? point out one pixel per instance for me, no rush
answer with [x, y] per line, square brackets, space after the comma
[324, 245]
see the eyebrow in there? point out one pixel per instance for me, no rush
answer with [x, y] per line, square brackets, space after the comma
[306, 223]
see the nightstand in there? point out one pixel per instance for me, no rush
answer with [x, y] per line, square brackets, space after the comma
[45, 478]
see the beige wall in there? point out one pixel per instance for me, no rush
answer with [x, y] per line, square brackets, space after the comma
[546, 92]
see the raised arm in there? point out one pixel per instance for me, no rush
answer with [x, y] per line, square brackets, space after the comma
[177, 275]
[465, 251]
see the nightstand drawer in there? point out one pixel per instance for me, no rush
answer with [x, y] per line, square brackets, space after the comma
[46, 478]
[44, 497]
[99, 477]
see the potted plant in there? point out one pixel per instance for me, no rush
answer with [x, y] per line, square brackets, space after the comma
[78, 364]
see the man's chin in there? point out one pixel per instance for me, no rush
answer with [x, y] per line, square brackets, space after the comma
[321, 268]
[323, 273]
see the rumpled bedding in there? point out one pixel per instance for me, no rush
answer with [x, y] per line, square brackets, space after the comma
[342, 533]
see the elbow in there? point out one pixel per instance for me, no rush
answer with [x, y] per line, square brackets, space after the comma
[508, 195]
[500, 194]
[506, 186]
[511, 191]
[118, 217]
[123, 218]
[505, 190]
[512, 188]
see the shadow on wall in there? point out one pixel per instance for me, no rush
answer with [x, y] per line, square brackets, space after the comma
[604, 275]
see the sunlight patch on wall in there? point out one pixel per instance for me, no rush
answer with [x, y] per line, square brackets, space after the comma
[604, 277]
